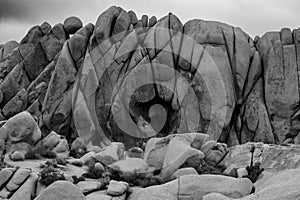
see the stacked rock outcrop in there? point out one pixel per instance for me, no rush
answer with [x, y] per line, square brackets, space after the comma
[208, 76]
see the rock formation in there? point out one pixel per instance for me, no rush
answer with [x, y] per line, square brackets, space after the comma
[149, 101]
[206, 76]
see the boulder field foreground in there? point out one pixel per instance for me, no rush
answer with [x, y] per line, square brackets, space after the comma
[149, 108]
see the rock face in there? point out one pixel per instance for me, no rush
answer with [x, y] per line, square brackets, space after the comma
[209, 72]
[125, 79]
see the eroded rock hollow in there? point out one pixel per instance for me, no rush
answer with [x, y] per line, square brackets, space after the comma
[127, 80]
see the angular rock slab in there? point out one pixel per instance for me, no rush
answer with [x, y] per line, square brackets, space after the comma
[61, 190]
[195, 187]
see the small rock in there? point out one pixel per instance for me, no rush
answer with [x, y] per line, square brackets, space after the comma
[152, 21]
[72, 24]
[78, 148]
[4, 193]
[214, 157]
[242, 172]
[205, 148]
[45, 27]
[99, 167]
[87, 157]
[17, 156]
[130, 166]
[75, 161]
[95, 149]
[286, 36]
[183, 171]
[78, 143]
[18, 178]
[62, 146]
[117, 188]
[5, 174]
[51, 140]
[133, 18]
[111, 154]
[121, 149]
[135, 152]
[193, 161]
[145, 20]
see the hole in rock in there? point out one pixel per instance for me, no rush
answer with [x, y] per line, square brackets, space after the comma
[156, 113]
[153, 116]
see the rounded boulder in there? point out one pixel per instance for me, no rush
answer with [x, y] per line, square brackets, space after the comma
[72, 24]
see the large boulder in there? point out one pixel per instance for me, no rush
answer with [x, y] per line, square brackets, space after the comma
[72, 24]
[21, 131]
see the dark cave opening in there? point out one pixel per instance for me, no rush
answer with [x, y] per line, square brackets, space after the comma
[163, 111]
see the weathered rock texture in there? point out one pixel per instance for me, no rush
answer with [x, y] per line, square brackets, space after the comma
[124, 79]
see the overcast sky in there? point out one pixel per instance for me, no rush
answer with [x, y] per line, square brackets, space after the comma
[254, 16]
